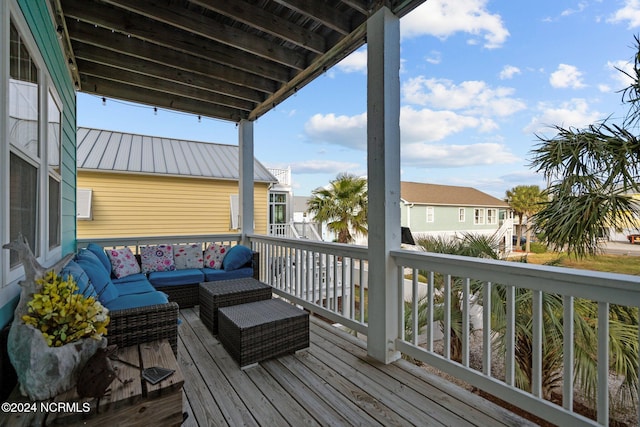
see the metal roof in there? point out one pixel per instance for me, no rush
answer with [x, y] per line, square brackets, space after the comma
[125, 152]
[232, 60]
[435, 194]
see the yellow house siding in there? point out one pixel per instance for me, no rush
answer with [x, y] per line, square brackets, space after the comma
[155, 205]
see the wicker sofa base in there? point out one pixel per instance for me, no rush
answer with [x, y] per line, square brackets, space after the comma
[186, 296]
[144, 324]
[262, 330]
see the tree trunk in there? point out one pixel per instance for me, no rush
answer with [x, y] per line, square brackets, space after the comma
[528, 243]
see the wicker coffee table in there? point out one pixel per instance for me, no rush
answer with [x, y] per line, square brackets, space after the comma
[262, 330]
[214, 295]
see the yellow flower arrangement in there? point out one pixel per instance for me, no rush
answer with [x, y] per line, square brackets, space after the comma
[64, 316]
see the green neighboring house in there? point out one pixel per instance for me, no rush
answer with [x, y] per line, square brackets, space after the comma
[447, 210]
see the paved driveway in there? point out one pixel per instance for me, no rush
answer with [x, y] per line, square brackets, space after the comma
[622, 248]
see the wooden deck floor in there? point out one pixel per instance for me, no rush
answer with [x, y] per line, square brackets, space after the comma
[331, 383]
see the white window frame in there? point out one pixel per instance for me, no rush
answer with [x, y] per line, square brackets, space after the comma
[430, 214]
[478, 216]
[492, 216]
[53, 174]
[10, 12]
[462, 215]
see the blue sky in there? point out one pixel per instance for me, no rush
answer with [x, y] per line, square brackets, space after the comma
[479, 80]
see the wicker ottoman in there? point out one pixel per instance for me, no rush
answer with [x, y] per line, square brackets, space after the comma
[214, 295]
[261, 330]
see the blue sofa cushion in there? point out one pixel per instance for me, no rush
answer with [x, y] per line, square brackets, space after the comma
[87, 255]
[81, 278]
[137, 300]
[138, 287]
[238, 256]
[176, 277]
[100, 279]
[211, 274]
[130, 278]
[99, 252]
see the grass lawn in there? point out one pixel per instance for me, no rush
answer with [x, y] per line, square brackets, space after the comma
[609, 263]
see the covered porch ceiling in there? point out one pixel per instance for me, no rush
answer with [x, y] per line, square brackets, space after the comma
[231, 60]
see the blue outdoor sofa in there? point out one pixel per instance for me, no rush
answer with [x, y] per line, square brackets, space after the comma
[143, 306]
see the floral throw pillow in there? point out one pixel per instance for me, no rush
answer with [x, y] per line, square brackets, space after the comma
[157, 258]
[214, 255]
[188, 256]
[123, 262]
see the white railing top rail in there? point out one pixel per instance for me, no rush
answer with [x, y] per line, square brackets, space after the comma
[339, 249]
[614, 288]
[135, 241]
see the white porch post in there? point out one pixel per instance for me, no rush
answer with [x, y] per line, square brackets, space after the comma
[245, 186]
[383, 170]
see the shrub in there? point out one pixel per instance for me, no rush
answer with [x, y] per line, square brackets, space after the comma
[538, 248]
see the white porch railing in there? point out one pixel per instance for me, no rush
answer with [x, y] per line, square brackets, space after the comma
[312, 274]
[135, 242]
[327, 279]
[296, 230]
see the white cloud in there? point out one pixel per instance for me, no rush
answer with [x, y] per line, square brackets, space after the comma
[566, 76]
[581, 7]
[630, 13]
[472, 97]
[574, 113]
[622, 80]
[443, 18]
[508, 72]
[323, 166]
[416, 125]
[346, 131]
[354, 63]
[434, 57]
[447, 156]
[604, 88]
[429, 125]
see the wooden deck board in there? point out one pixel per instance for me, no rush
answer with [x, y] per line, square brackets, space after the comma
[334, 382]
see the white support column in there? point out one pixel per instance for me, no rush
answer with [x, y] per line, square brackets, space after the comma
[245, 186]
[383, 169]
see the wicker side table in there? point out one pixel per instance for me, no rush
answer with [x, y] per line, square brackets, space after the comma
[262, 330]
[214, 295]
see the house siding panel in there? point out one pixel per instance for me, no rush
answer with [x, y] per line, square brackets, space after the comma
[144, 205]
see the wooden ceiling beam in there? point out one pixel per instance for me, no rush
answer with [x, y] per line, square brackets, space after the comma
[320, 12]
[119, 60]
[130, 92]
[109, 18]
[88, 35]
[362, 6]
[166, 86]
[256, 17]
[203, 26]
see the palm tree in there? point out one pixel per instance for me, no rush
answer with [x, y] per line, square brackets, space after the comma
[525, 200]
[342, 205]
[592, 173]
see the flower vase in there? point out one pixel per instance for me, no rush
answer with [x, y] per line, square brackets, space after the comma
[43, 371]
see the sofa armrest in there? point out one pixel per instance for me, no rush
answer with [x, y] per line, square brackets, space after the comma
[139, 325]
